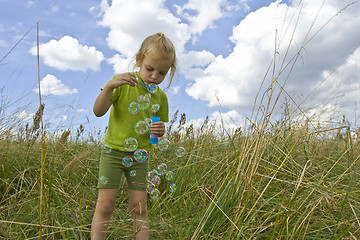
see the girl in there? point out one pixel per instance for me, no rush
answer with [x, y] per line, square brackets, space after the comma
[155, 58]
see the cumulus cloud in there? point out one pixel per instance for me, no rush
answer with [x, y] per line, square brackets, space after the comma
[152, 17]
[23, 115]
[235, 80]
[50, 85]
[68, 54]
[220, 121]
[206, 12]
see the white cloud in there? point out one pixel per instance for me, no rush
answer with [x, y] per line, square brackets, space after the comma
[3, 44]
[207, 11]
[150, 18]
[235, 80]
[195, 58]
[229, 121]
[68, 54]
[23, 115]
[50, 85]
[82, 110]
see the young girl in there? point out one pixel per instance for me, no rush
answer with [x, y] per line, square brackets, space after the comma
[155, 58]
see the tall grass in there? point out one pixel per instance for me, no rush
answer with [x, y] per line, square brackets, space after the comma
[284, 183]
[273, 178]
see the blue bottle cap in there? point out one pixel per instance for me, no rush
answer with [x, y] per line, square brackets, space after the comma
[153, 140]
[155, 119]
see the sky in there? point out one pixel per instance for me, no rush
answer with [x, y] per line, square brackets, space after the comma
[235, 57]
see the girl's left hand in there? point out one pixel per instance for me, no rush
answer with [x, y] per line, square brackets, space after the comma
[158, 128]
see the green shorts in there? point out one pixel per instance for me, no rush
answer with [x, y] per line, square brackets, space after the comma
[111, 168]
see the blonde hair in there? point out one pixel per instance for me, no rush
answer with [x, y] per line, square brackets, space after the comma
[158, 44]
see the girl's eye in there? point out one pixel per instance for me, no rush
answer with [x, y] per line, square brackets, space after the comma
[149, 69]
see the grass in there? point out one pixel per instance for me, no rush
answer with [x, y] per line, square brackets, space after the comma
[287, 183]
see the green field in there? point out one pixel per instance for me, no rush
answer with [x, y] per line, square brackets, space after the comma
[266, 181]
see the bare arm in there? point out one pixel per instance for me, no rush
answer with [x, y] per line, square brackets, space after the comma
[103, 101]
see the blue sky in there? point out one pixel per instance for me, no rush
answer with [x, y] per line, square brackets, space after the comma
[224, 49]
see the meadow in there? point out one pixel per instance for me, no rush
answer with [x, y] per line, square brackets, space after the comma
[266, 181]
[277, 176]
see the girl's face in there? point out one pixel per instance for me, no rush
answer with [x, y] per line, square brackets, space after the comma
[154, 68]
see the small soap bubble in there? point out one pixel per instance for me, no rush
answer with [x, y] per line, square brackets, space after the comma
[107, 148]
[150, 188]
[155, 108]
[130, 144]
[103, 180]
[144, 102]
[152, 177]
[152, 88]
[169, 175]
[134, 107]
[148, 120]
[164, 144]
[155, 193]
[180, 151]
[161, 169]
[141, 155]
[148, 95]
[127, 161]
[172, 187]
[142, 127]
[133, 173]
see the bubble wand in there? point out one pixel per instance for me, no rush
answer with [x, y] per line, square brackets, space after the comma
[151, 87]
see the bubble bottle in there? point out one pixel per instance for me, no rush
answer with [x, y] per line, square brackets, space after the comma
[153, 137]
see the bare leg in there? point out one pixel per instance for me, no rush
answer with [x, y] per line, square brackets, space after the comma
[139, 213]
[104, 208]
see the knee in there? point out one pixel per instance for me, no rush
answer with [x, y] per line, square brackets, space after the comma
[139, 209]
[105, 207]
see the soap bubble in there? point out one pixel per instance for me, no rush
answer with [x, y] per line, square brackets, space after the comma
[152, 177]
[150, 188]
[164, 144]
[142, 127]
[148, 95]
[180, 151]
[133, 173]
[161, 169]
[155, 193]
[169, 175]
[130, 144]
[144, 102]
[148, 120]
[134, 107]
[127, 161]
[103, 180]
[155, 108]
[152, 88]
[141, 155]
[172, 187]
[107, 148]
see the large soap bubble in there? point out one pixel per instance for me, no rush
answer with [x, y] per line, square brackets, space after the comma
[144, 102]
[155, 108]
[134, 107]
[142, 127]
[180, 151]
[164, 144]
[127, 161]
[141, 155]
[161, 169]
[130, 144]
[153, 178]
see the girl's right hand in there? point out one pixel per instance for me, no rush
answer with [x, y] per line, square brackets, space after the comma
[121, 79]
